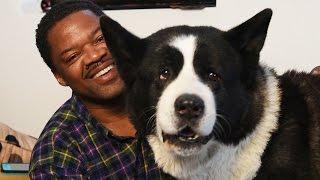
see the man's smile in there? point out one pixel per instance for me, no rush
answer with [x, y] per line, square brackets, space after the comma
[104, 71]
[99, 68]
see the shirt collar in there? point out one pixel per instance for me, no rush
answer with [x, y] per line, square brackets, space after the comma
[83, 113]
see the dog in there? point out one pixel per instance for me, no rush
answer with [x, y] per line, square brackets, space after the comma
[210, 110]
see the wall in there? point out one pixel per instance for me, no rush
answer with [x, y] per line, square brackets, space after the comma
[30, 95]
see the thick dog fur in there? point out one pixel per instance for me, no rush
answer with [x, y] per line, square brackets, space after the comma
[243, 122]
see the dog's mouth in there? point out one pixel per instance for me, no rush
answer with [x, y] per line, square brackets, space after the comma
[186, 137]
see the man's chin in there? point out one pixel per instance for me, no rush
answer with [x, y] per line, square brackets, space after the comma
[111, 91]
[103, 95]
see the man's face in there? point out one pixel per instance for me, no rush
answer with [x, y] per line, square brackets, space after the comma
[81, 57]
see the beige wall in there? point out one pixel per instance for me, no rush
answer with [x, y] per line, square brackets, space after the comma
[29, 93]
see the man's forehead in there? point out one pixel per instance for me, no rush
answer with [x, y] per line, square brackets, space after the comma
[72, 28]
[77, 19]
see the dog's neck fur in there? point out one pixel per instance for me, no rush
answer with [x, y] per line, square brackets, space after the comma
[219, 161]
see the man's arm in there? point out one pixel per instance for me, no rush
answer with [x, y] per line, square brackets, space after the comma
[50, 171]
[56, 155]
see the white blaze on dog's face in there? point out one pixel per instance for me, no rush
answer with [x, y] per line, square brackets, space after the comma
[188, 84]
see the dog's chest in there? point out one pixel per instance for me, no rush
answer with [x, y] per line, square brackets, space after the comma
[232, 162]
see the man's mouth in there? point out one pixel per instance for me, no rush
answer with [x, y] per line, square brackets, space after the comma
[104, 71]
[99, 69]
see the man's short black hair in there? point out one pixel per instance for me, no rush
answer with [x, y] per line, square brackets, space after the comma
[55, 14]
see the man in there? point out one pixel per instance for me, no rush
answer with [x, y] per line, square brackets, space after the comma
[90, 135]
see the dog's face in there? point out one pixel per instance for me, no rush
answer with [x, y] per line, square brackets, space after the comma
[188, 85]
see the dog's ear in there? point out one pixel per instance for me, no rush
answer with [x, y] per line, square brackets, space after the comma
[248, 39]
[250, 36]
[126, 48]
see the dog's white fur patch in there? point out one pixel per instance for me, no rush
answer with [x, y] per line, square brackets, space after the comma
[225, 162]
[187, 82]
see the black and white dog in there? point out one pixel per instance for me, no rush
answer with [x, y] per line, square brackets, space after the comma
[209, 110]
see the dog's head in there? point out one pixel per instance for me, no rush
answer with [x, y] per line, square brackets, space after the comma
[187, 85]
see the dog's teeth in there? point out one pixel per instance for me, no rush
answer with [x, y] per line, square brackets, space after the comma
[188, 138]
[193, 137]
[103, 71]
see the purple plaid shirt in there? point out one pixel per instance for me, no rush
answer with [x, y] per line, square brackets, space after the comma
[75, 145]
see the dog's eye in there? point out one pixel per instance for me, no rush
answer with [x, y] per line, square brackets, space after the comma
[213, 76]
[164, 74]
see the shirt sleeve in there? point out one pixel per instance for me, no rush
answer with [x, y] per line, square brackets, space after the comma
[50, 171]
[56, 155]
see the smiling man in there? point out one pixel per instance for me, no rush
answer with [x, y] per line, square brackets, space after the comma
[90, 135]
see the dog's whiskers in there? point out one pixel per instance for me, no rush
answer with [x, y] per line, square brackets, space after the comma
[219, 129]
[151, 124]
[220, 116]
[150, 120]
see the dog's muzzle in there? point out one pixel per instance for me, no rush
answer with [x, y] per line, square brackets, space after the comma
[189, 109]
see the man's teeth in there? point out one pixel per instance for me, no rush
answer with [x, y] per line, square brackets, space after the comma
[104, 71]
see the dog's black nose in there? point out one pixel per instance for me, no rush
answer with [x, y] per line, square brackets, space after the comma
[189, 107]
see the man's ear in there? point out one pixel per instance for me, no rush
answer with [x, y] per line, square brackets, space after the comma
[60, 79]
[126, 48]
[249, 36]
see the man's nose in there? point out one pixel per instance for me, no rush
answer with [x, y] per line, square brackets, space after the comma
[94, 54]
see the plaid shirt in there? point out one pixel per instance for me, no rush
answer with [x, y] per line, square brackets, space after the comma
[75, 145]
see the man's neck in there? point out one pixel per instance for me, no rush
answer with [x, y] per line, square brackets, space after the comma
[112, 114]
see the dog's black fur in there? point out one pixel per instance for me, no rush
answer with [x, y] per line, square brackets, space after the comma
[239, 86]
[294, 149]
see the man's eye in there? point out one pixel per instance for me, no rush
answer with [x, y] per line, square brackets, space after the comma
[72, 57]
[100, 39]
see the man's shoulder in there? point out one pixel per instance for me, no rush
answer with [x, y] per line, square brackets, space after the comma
[68, 111]
[61, 135]
[71, 114]
[56, 148]
[66, 124]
